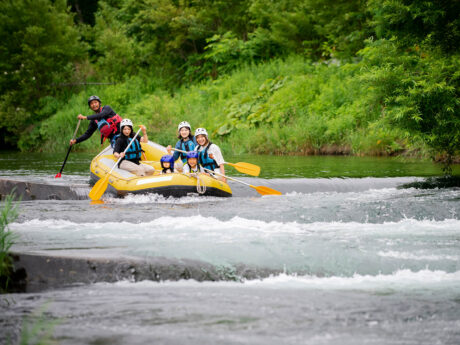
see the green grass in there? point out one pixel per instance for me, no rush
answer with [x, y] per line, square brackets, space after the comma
[286, 106]
[9, 213]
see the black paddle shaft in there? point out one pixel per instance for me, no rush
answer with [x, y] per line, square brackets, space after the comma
[65, 160]
[70, 148]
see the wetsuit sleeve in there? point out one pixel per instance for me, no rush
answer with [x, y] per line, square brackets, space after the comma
[106, 111]
[119, 146]
[176, 154]
[89, 132]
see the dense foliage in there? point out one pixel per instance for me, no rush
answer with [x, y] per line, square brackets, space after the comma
[38, 50]
[285, 76]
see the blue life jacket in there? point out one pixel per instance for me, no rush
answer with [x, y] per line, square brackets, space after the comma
[187, 146]
[114, 140]
[134, 152]
[109, 126]
[205, 161]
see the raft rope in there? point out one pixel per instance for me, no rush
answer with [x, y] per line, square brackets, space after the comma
[200, 185]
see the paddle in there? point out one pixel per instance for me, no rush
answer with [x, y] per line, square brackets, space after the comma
[263, 190]
[101, 185]
[245, 168]
[58, 175]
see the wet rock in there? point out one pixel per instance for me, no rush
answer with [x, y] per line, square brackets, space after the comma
[43, 272]
[41, 191]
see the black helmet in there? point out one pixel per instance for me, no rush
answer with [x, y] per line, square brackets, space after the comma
[92, 98]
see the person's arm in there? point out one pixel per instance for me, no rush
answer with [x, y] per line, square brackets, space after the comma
[144, 138]
[185, 169]
[89, 132]
[216, 154]
[222, 171]
[176, 154]
[118, 151]
[106, 110]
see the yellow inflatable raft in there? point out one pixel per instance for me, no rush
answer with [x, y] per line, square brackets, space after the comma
[122, 182]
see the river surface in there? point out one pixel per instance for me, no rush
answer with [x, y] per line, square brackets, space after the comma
[363, 257]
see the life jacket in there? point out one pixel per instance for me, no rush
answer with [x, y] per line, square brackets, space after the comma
[204, 160]
[134, 151]
[187, 146]
[167, 171]
[196, 170]
[109, 126]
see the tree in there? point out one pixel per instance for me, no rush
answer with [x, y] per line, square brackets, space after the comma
[38, 50]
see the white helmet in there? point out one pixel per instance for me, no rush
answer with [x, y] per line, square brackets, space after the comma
[126, 122]
[201, 131]
[184, 124]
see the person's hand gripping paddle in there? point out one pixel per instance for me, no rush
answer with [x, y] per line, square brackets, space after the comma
[245, 168]
[99, 188]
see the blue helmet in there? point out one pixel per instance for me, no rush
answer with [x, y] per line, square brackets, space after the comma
[167, 158]
[192, 154]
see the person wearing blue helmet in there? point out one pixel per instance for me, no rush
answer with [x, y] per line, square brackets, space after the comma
[185, 143]
[192, 163]
[167, 164]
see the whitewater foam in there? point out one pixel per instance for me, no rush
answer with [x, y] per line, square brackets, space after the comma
[414, 256]
[403, 279]
[206, 224]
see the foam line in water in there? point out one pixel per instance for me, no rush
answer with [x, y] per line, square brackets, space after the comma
[206, 224]
[403, 279]
[415, 256]
[160, 199]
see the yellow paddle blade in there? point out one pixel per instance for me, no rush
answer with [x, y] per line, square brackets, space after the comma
[246, 168]
[99, 188]
[263, 190]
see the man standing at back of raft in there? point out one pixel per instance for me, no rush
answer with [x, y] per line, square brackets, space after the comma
[104, 119]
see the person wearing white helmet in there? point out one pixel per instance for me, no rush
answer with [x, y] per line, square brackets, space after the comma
[209, 154]
[105, 119]
[131, 159]
[185, 143]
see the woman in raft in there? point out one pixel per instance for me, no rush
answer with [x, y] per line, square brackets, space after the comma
[209, 154]
[131, 159]
[185, 143]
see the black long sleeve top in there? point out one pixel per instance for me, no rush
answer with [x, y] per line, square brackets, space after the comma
[105, 113]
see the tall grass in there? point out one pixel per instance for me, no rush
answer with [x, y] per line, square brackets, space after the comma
[285, 106]
[9, 213]
[38, 328]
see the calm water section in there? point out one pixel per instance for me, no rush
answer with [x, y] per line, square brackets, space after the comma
[272, 166]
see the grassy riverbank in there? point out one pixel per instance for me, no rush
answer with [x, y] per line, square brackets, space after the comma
[287, 106]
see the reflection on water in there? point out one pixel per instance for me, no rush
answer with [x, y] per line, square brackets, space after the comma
[271, 166]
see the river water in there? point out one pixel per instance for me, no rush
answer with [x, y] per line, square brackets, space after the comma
[361, 255]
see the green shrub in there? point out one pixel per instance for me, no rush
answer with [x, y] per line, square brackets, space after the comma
[9, 213]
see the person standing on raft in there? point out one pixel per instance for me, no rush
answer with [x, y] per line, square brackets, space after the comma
[104, 119]
[209, 154]
[131, 159]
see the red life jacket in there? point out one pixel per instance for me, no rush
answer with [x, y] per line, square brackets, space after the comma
[109, 126]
